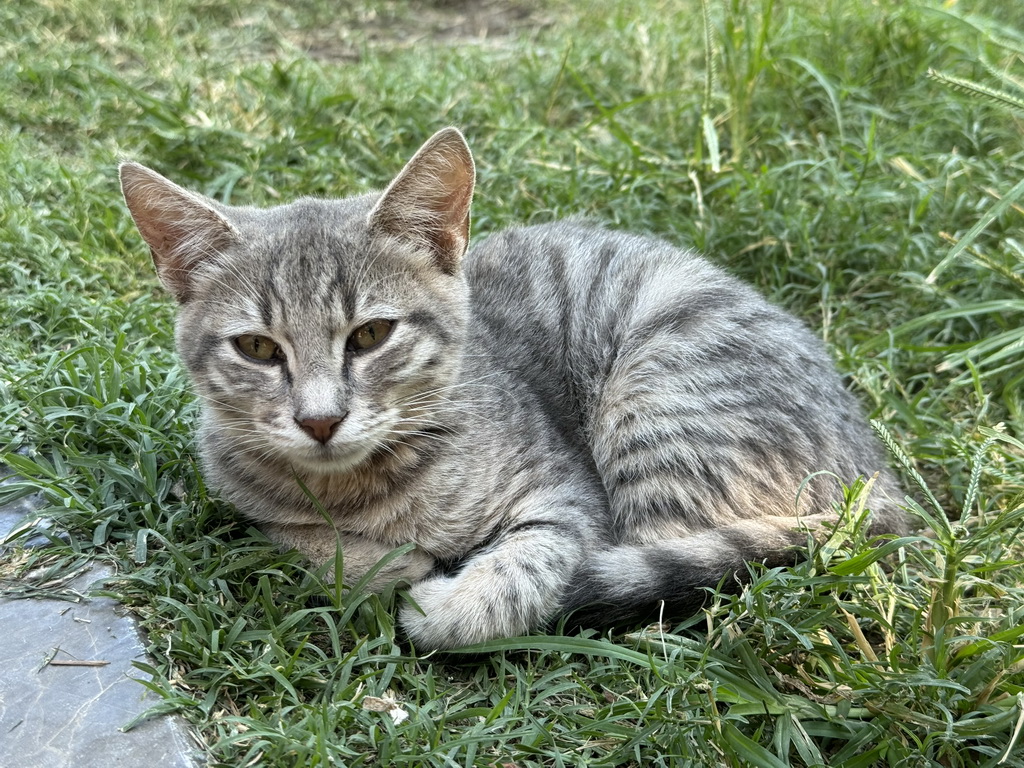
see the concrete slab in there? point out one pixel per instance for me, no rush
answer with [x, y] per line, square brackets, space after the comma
[59, 716]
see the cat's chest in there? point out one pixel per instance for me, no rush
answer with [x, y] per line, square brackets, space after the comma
[396, 516]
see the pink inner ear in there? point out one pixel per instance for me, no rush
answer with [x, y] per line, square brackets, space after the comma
[181, 229]
[429, 201]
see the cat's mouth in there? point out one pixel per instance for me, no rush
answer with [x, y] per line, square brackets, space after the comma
[327, 459]
[333, 457]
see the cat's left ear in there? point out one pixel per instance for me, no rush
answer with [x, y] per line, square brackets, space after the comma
[429, 201]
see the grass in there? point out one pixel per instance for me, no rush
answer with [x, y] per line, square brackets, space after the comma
[815, 157]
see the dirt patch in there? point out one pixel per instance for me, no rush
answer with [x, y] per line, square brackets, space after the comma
[406, 24]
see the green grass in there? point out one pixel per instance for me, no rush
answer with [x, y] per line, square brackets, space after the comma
[844, 176]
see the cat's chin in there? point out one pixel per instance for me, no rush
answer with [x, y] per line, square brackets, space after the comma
[331, 462]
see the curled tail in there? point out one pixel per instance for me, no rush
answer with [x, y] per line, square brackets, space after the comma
[638, 582]
[671, 576]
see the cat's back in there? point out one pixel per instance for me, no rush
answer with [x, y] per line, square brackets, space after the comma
[699, 400]
[570, 301]
[573, 265]
[590, 282]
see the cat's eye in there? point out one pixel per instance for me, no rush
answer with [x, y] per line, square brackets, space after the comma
[369, 335]
[258, 347]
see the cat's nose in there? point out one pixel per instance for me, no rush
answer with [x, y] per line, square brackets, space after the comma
[321, 429]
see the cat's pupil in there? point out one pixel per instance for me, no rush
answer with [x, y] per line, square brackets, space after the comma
[370, 335]
[258, 347]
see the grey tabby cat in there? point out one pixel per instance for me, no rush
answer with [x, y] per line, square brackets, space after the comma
[562, 419]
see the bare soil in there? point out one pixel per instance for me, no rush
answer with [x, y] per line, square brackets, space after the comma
[397, 24]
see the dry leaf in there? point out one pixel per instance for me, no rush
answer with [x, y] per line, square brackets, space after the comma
[387, 704]
[375, 704]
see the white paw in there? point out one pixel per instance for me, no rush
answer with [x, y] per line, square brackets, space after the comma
[462, 610]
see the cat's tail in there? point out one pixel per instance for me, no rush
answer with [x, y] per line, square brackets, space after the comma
[671, 577]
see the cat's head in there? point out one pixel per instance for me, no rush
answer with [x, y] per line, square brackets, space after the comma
[320, 332]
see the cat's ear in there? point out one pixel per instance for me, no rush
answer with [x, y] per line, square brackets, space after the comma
[429, 201]
[182, 229]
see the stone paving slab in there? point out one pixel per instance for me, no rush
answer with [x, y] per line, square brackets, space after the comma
[71, 716]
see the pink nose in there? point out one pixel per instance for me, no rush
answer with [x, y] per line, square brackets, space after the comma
[320, 430]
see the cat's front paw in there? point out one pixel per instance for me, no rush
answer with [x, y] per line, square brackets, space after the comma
[465, 609]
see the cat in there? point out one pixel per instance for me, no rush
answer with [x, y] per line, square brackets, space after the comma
[564, 419]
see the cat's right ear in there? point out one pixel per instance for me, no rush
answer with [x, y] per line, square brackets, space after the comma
[182, 229]
[428, 202]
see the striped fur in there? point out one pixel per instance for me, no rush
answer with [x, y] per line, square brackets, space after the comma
[563, 419]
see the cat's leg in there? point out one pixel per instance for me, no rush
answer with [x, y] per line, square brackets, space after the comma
[701, 446]
[511, 586]
[319, 543]
[703, 432]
